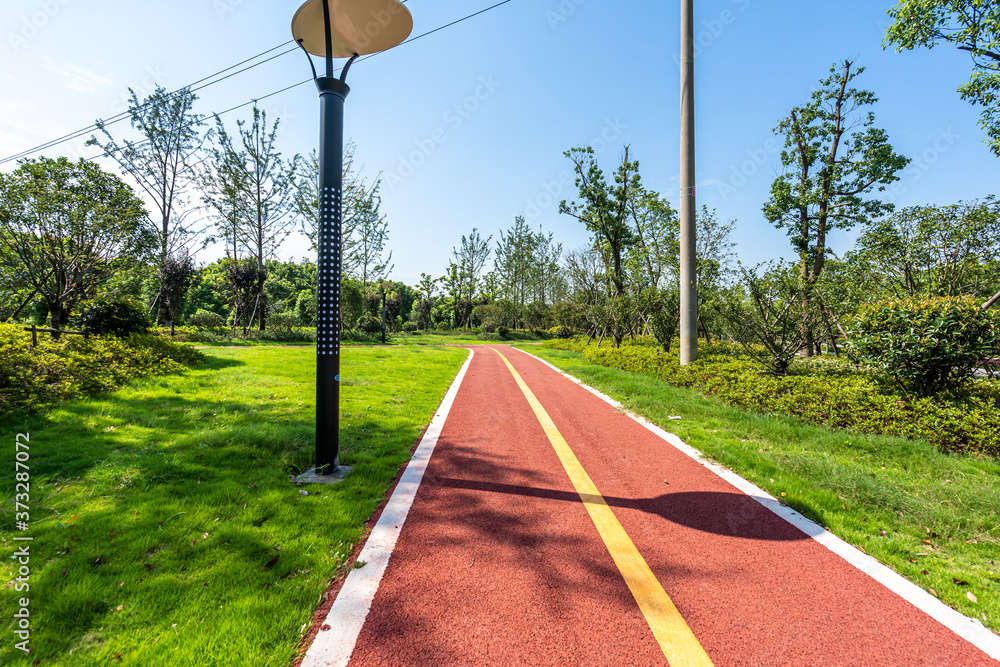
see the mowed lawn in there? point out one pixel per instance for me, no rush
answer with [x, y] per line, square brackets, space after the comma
[166, 531]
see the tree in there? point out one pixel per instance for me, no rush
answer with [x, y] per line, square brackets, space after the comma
[176, 276]
[604, 207]
[364, 229]
[972, 26]
[936, 250]
[256, 193]
[470, 257]
[67, 228]
[365, 246]
[161, 163]
[833, 157]
[513, 265]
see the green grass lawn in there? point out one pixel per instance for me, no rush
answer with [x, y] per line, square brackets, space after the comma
[165, 527]
[932, 517]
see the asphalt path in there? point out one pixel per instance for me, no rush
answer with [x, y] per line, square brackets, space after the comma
[550, 528]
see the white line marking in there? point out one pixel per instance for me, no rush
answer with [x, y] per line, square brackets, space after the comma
[970, 629]
[334, 647]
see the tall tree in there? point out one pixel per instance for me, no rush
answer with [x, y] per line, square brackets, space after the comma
[161, 162]
[470, 257]
[267, 190]
[365, 256]
[68, 228]
[513, 264]
[604, 208]
[833, 157]
[972, 26]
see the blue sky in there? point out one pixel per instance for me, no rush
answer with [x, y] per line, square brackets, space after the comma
[468, 126]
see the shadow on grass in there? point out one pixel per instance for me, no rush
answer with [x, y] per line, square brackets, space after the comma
[166, 525]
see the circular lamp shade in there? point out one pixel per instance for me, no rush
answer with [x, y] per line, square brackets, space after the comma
[357, 26]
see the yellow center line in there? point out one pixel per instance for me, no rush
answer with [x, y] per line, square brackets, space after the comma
[675, 638]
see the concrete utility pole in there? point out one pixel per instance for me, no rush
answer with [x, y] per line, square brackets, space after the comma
[689, 276]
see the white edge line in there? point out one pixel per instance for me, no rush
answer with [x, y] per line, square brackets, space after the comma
[970, 629]
[347, 616]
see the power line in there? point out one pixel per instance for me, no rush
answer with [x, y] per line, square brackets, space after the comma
[126, 114]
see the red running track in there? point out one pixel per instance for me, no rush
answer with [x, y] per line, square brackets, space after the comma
[499, 562]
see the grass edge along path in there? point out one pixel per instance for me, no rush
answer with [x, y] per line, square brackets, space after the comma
[165, 529]
[929, 516]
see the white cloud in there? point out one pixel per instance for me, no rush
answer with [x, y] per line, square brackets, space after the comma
[80, 79]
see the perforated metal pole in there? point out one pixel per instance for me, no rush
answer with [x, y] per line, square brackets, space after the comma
[688, 241]
[332, 93]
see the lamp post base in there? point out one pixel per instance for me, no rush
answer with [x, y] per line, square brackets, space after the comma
[312, 477]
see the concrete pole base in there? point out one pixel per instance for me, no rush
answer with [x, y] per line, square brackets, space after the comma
[312, 477]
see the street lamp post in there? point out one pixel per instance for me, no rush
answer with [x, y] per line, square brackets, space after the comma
[337, 29]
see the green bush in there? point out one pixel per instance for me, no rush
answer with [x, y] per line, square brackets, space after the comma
[33, 379]
[369, 325]
[283, 322]
[503, 332]
[410, 327]
[115, 317]
[560, 331]
[206, 319]
[928, 345]
[828, 392]
[442, 326]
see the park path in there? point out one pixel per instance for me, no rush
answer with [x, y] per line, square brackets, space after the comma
[552, 529]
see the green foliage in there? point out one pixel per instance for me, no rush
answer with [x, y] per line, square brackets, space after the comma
[66, 229]
[369, 324]
[928, 345]
[826, 392]
[283, 322]
[206, 319]
[410, 327]
[32, 379]
[503, 332]
[116, 317]
[770, 322]
[442, 326]
[560, 331]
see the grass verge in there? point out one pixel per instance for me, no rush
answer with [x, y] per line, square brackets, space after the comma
[165, 527]
[930, 516]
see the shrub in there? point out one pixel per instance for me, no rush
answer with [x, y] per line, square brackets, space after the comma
[206, 319]
[410, 327]
[369, 325]
[33, 379]
[283, 322]
[830, 392]
[488, 327]
[115, 317]
[442, 326]
[503, 332]
[928, 345]
[560, 331]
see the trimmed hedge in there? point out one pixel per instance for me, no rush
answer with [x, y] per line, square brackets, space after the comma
[33, 379]
[827, 392]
